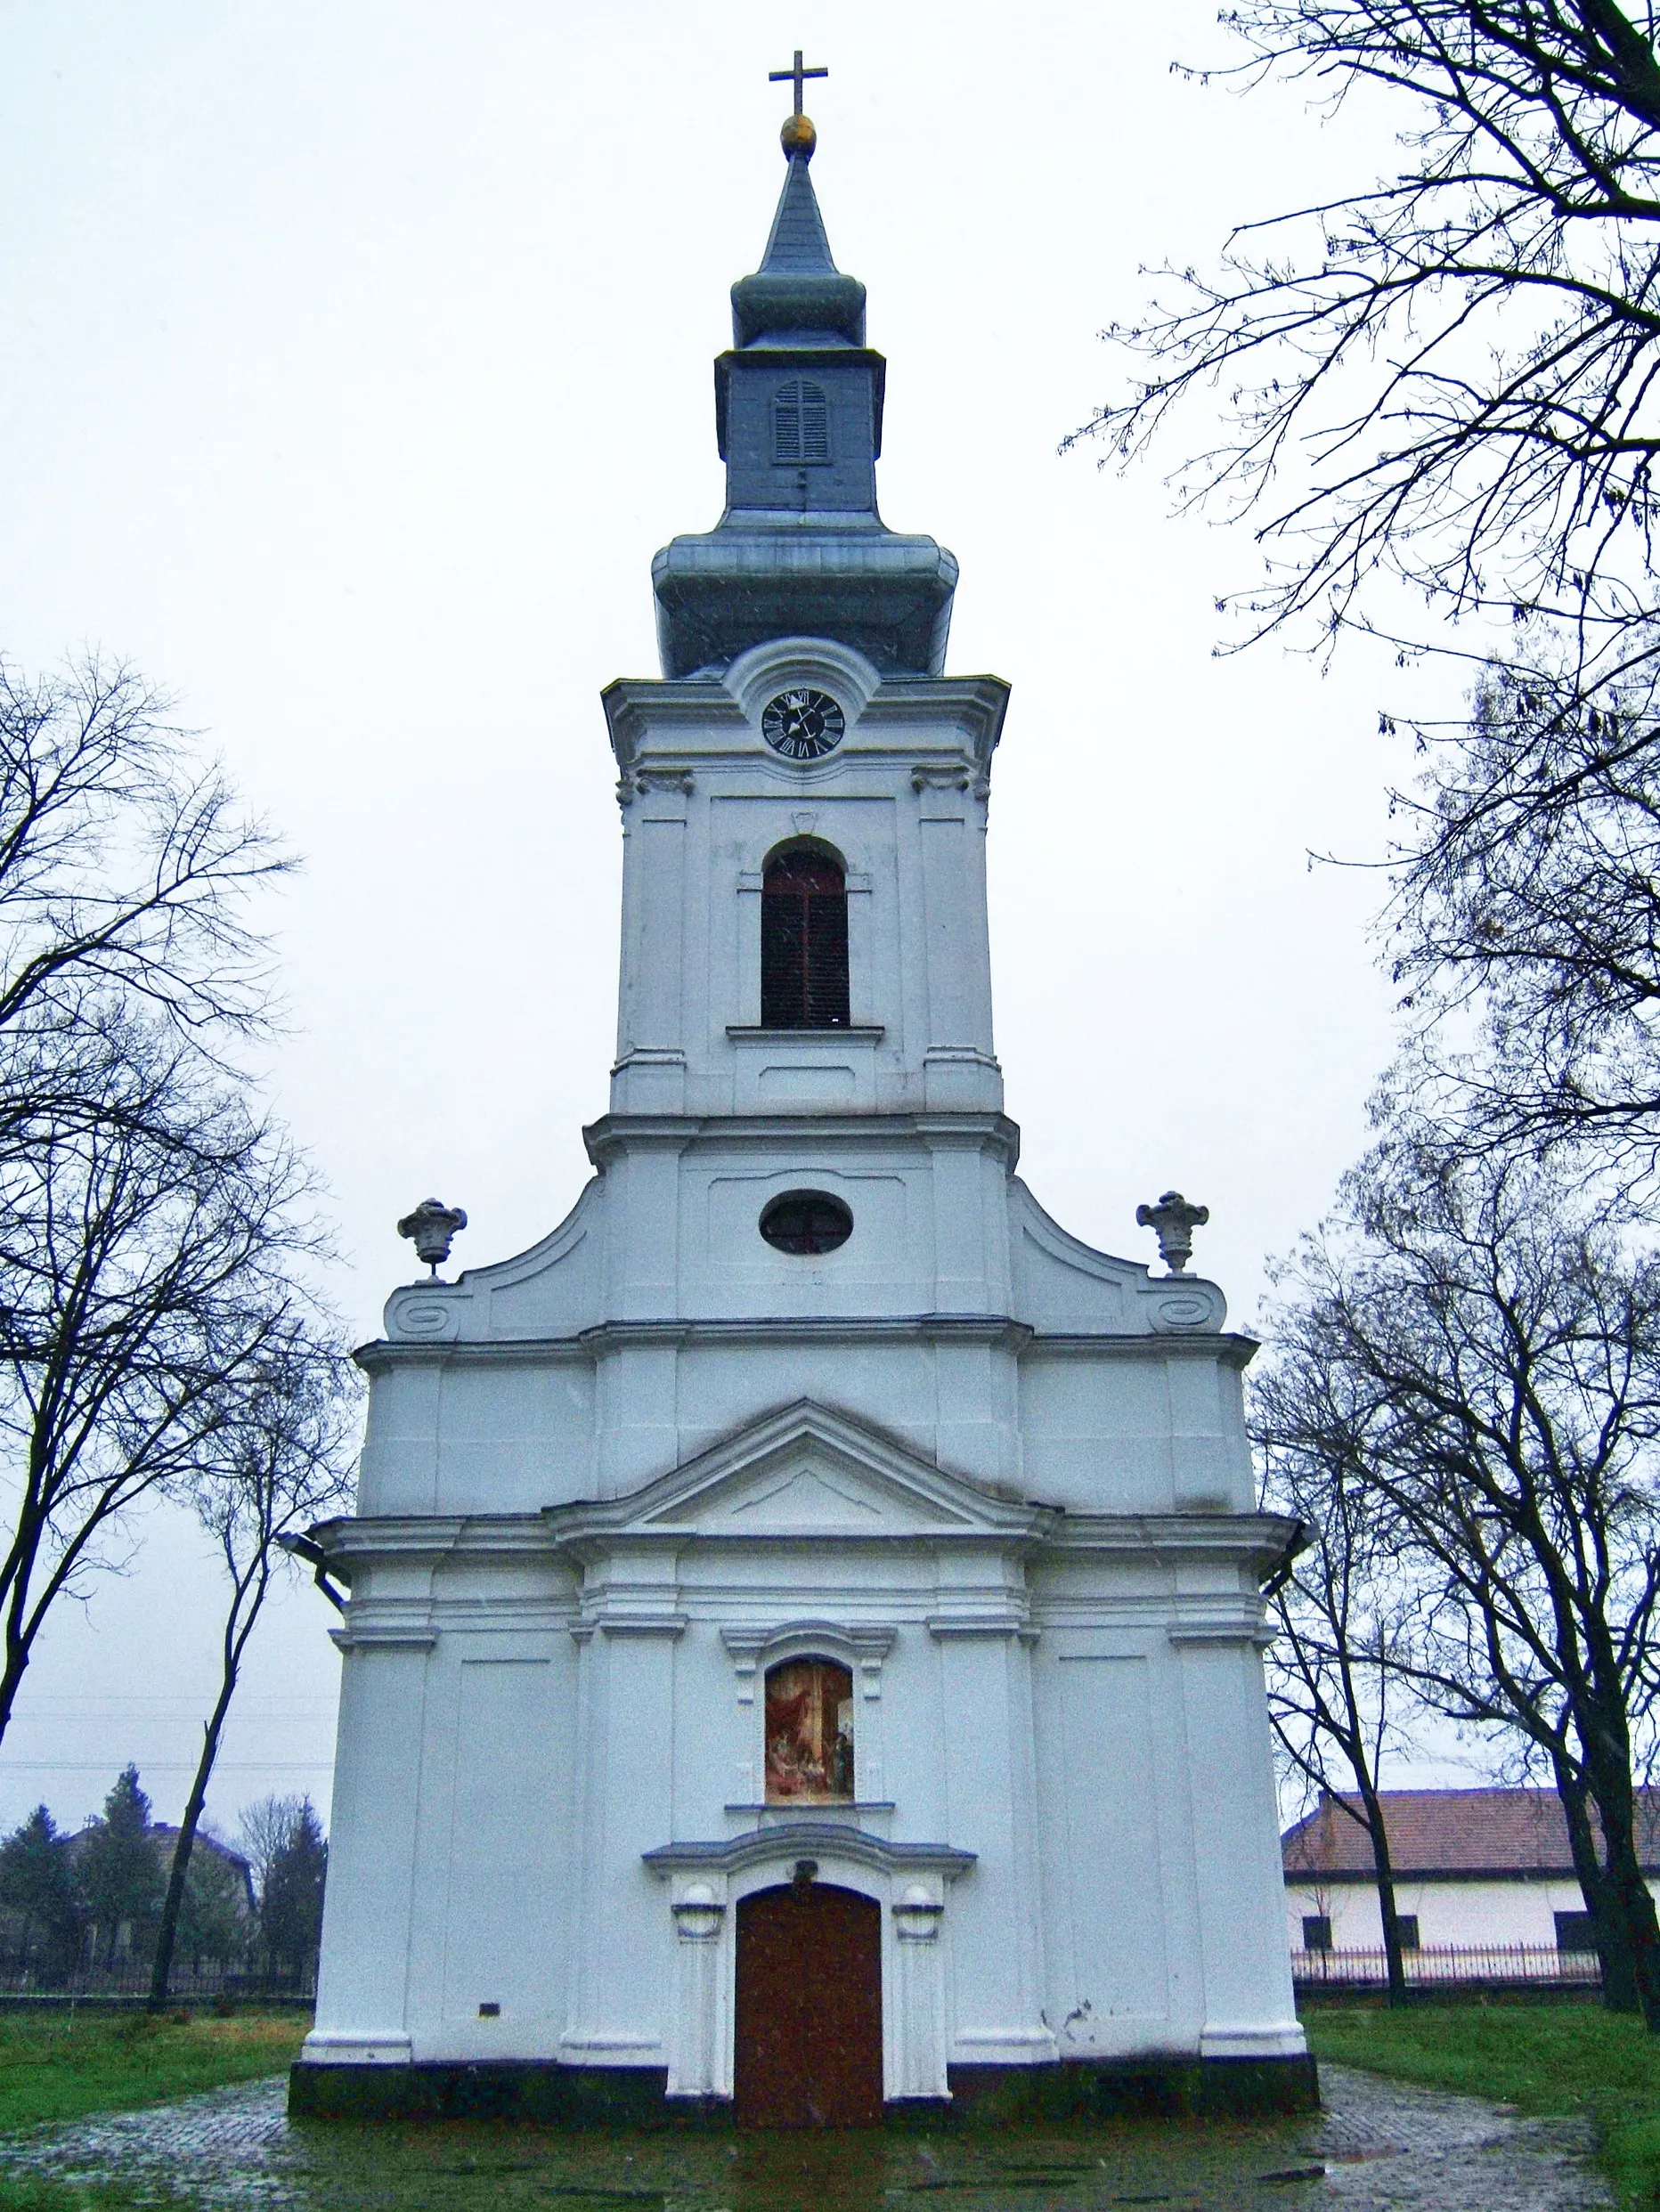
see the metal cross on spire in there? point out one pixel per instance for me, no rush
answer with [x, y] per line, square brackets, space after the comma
[795, 75]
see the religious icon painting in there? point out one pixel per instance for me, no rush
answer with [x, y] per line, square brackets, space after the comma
[809, 1732]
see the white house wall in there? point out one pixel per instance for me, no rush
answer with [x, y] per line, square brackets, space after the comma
[1449, 1912]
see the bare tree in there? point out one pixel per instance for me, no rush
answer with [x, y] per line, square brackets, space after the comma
[1443, 377]
[148, 1268]
[154, 1226]
[1438, 402]
[125, 865]
[1499, 1417]
[264, 1828]
[279, 1462]
[1527, 896]
[1339, 1607]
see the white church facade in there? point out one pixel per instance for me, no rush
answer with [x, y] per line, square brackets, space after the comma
[803, 1656]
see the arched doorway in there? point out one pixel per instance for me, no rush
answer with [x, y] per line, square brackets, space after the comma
[808, 2008]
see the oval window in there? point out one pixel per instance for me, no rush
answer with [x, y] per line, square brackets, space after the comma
[806, 1221]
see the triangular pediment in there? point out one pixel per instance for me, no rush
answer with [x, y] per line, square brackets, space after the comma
[808, 1487]
[805, 1471]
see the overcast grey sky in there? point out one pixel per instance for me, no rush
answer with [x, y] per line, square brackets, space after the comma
[355, 359]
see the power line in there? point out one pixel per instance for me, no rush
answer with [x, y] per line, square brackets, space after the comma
[167, 1766]
[176, 1704]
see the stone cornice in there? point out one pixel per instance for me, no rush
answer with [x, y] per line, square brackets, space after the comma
[1000, 1620]
[627, 1620]
[803, 1329]
[995, 1328]
[422, 1538]
[1261, 1539]
[699, 718]
[435, 1535]
[591, 1530]
[872, 1642]
[1226, 1348]
[1246, 1629]
[749, 1033]
[384, 1630]
[800, 1840]
[613, 1132]
[383, 1355]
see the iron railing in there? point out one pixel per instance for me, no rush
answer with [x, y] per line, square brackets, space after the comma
[1451, 1965]
[188, 1984]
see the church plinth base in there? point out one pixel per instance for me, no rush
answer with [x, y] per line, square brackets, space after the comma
[557, 2096]
[1176, 2087]
[637, 2096]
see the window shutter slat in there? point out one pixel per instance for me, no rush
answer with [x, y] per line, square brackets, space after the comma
[815, 432]
[801, 422]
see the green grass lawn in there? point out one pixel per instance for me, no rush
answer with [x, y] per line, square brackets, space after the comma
[56, 2068]
[1544, 2059]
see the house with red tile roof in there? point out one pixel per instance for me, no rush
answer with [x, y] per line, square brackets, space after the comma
[1472, 1867]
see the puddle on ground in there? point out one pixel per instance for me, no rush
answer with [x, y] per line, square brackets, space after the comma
[1378, 2145]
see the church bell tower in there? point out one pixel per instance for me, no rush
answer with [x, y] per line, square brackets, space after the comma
[803, 1656]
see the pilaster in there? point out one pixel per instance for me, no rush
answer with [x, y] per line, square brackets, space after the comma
[1250, 2010]
[920, 2058]
[364, 1977]
[700, 2036]
[983, 1636]
[625, 1758]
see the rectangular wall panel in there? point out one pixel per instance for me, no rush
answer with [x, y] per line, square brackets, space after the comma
[1118, 1959]
[504, 1942]
[950, 1017]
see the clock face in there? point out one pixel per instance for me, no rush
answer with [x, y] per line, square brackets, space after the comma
[803, 725]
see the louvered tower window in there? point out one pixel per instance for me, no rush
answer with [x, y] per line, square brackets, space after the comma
[803, 942]
[801, 423]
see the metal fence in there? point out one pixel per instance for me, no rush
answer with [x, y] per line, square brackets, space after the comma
[188, 1985]
[1452, 1965]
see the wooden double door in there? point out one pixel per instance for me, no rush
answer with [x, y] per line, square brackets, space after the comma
[808, 2008]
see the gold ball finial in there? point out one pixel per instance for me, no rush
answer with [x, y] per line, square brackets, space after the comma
[798, 136]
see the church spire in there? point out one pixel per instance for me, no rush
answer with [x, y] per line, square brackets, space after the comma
[798, 294]
[797, 240]
[801, 549]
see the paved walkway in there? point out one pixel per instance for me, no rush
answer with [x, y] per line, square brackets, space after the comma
[1379, 2146]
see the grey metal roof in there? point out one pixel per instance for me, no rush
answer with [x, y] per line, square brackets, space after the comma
[801, 551]
[798, 294]
[797, 238]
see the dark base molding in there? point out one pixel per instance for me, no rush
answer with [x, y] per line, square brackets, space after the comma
[1173, 2087]
[509, 2089]
[1178, 2087]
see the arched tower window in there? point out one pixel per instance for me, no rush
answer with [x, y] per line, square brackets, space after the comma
[801, 423]
[810, 1733]
[803, 940]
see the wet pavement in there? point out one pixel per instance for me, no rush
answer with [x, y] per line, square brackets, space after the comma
[1379, 2146]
